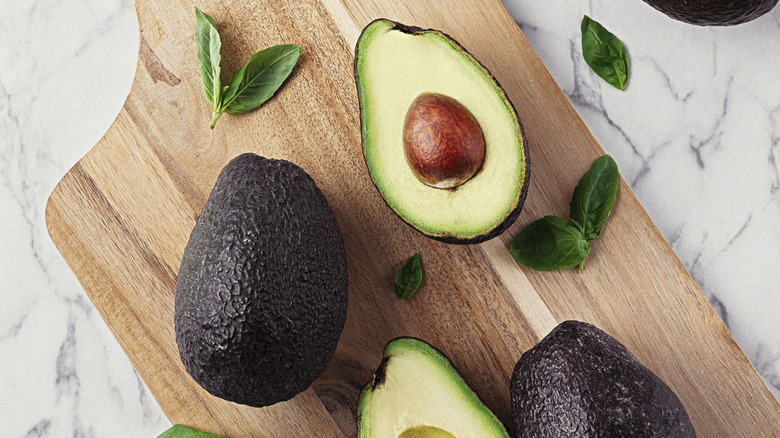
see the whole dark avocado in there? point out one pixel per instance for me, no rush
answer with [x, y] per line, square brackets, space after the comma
[579, 382]
[713, 12]
[261, 297]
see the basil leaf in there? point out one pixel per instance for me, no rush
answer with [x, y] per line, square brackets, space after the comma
[181, 431]
[209, 45]
[259, 79]
[550, 244]
[604, 53]
[594, 196]
[409, 277]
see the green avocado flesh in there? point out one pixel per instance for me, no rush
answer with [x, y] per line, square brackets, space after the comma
[394, 64]
[416, 393]
[261, 295]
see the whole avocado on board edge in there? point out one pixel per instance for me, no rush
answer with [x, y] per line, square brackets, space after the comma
[713, 12]
[261, 296]
[580, 382]
[441, 140]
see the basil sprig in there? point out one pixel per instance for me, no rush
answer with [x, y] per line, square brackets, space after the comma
[253, 85]
[409, 277]
[551, 243]
[604, 53]
[181, 431]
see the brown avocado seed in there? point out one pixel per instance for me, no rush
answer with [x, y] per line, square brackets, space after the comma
[443, 142]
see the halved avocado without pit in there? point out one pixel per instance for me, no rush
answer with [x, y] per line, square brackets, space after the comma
[442, 142]
[417, 393]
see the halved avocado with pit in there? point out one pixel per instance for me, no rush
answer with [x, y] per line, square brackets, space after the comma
[396, 68]
[417, 393]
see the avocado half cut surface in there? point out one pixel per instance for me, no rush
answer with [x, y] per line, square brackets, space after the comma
[417, 393]
[580, 382]
[261, 295]
[713, 12]
[394, 66]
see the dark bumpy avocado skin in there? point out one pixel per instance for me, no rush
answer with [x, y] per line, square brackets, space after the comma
[579, 382]
[713, 12]
[261, 297]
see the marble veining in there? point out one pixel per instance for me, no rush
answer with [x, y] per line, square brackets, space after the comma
[696, 135]
[68, 68]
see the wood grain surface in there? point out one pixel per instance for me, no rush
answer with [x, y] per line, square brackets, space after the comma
[122, 216]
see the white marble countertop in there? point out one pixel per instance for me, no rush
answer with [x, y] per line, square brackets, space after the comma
[696, 134]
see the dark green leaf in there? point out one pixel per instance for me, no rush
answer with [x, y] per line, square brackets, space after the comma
[604, 53]
[594, 196]
[209, 45]
[181, 431]
[409, 277]
[550, 244]
[259, 79]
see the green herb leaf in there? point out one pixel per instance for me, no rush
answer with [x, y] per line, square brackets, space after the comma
[181, 431]
[254, 84]
[209, 45]
[594, 196]
[259, 79]
[409, 277]
[550, 244]
[604, 53]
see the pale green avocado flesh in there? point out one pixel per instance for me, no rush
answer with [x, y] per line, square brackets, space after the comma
[395, 64]
[416, 393]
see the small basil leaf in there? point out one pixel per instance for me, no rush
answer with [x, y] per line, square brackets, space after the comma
[594, 196]
[259, 79]
[209, 45]
[604, 53]
[181, 431]
[550, 244]
[409, 277]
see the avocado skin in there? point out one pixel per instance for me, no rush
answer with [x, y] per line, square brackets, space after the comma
[580, 382]
[261, 296]
[512, 216]
[713, 12]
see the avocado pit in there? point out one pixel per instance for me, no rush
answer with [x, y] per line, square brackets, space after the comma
[443, 142]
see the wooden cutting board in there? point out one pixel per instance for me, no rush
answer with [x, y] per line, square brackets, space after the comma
[122, 216]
